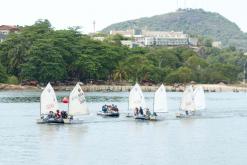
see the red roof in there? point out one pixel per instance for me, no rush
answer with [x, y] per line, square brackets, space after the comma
[9, 27]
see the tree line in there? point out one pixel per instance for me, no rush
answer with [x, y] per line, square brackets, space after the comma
[39, 52]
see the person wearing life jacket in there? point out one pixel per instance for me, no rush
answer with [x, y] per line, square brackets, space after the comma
[148, 113]
[187, 113]
[136, 113]
[58, 114]
[64, 114]
[141, 111]
[104, 108]
[50, 115]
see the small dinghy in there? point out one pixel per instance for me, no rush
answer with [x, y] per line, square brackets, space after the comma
[109, 111]
[160, 103]
[77, 106]
[137, 103]
[191, 102]
[48, 106]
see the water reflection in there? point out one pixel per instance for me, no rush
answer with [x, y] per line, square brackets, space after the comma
[33, 99]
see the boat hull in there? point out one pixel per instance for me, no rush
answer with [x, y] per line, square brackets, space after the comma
[180, 115]
[153, 118]
[52, 120]
[141, 118]
[63, 121]
[108, 114]
[190, 115]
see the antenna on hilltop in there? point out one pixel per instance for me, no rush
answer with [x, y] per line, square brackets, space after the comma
[94, 26]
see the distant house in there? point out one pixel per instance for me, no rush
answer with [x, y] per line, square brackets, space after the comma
[6, 29]
[99, 38]
[130, 44]
[217, 44]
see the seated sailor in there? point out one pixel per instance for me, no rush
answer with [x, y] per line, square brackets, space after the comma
[51, 115]
[58, 114]
[148, 113]
[104, 108]
[115, 108]
[136, 112]
[64, 114]
[141, 111]
[187, 112]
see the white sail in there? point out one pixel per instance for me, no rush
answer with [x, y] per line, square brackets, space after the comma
[48, 100]
[199, 98]
[77, 102]
[136, 98]
[160, 100]
[187, 102]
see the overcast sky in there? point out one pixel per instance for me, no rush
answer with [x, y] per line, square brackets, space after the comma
[66, 13]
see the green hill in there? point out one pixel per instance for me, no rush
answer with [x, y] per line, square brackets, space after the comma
[190, 21]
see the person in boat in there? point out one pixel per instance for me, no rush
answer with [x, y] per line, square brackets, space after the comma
[104, 108]
[187, 113]
[136, 113]
[58, 114]
[51, 115]
[114, 108]
[109, 108]
[141, 111]
[64, 114]
[148, 113]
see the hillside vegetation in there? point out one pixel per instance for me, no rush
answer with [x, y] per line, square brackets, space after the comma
[39, 52]
[190, 21]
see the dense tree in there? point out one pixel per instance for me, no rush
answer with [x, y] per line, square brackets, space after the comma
[39, 52]
[183, 75]
[3, 75]
[44, 63]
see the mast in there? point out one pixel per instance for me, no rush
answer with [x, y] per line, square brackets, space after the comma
[153, 103]
[40, 106]
[68, 107]
[128, 105]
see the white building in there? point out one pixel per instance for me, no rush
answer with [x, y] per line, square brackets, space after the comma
[217, 44]
[155, 38]
[130, 44]
[99, 38]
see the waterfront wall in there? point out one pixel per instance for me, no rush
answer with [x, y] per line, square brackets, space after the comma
[126, 88]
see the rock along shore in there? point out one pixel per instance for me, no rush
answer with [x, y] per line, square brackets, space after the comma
[126, 88]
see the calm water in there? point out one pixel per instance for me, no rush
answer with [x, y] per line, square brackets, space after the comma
[218, 137]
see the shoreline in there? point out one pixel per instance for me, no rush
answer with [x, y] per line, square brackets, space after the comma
[126, 88]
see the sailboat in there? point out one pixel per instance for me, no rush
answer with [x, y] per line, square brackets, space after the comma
[77, 105]
[137, 102]
[48, 105]
[160, 102]
[192, 101]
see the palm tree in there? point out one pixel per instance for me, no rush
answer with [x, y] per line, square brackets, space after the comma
[119, 73]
